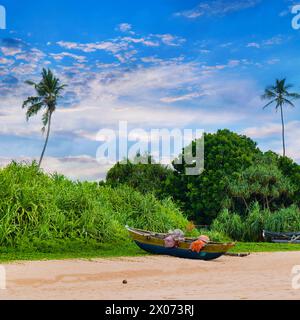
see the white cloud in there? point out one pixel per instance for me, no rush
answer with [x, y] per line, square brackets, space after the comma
[273, 61]
[6, 61]
[271, 132]
[276, 40]
[92, 47]
[76, 168]
[125, 27]
[185, 97]
[217, 8]
[253, 45]
[170, 40]
[10, 51]
[62, 55]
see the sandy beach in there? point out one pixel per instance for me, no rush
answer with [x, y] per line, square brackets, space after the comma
[259, 276]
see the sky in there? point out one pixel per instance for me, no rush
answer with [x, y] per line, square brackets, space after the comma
[156, 64]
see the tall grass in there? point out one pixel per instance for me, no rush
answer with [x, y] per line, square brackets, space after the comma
[36, 209]
[250, 227]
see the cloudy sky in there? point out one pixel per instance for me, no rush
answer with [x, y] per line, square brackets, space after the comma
[156, 64]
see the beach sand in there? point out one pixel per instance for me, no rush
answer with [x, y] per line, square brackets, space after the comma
[259, 276]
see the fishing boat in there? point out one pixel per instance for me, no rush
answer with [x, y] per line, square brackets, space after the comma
[284, 237]
[155, 243]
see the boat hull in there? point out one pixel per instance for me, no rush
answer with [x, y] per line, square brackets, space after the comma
[154, 243]
[284, 237]
[178, 252]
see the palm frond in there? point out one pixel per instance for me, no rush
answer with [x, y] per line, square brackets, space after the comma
[31, 83]
[48, 90]
[269, 93]
[33, 110]
[293, 95]
[268, 104]
[45, 120]
[31, 101]
[289, 102]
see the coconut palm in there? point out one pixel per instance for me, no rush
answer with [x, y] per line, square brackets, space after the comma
[279, 95]
[48, 90]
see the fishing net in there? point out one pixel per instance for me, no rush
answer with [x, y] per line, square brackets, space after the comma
[173, 238]
[199, 244]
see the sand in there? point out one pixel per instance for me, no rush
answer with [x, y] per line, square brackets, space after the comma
[259, 276]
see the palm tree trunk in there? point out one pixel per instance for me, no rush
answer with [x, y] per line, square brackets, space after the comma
[46, 141]
[283, 130]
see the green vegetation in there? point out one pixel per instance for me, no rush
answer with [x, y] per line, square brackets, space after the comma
[200, 197]
[51, 217]
[42, 213]
[141, 174]
[84, 251]
[249, 228]
[203, 196]
[263, 182]
[241, 192]
[237, 174]
[279, 95]
[252, 247]
[70, 250]
[48, 90]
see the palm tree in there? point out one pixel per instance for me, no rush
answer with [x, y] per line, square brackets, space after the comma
[48, 90]
[279, 95]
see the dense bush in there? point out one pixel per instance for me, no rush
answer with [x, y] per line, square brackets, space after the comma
[250, 227]
[236, 174]
[263, 182]
[35, 207]
[146, 176]
[203, 196]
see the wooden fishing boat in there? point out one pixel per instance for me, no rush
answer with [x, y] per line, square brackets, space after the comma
[154, 243]
[284, 237]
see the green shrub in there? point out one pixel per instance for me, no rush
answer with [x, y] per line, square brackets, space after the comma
[250, 227]
[229, 224]
[284, 220]
[41, 211]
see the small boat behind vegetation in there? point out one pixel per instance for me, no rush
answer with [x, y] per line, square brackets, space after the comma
[157, 243]
[284, 237]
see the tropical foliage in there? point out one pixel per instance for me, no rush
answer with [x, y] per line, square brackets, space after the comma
[250, 227]
[144, 176]
[241, 191]
[35, 207]
[280, 96]
[263, 182]
[48, 90]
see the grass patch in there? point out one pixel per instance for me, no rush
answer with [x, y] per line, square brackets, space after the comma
[39, 212]
[128, 250]
[89, 252]
[264, 247]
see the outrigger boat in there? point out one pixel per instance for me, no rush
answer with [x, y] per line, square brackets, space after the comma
[155, 243]
[284, 237]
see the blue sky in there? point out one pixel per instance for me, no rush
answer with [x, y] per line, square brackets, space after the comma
[156, 64]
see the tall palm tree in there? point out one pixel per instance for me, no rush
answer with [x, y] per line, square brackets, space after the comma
[279, 95]
[48, 90]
